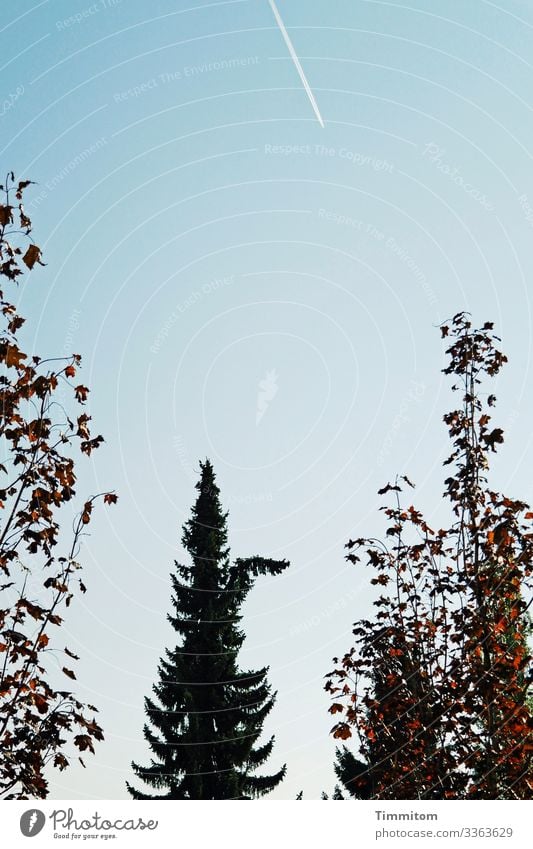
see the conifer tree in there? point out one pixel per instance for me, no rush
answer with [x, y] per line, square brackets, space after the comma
[353, 775]
[207, 716]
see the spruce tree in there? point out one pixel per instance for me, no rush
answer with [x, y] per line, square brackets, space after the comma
[204, 724]
[353, 774]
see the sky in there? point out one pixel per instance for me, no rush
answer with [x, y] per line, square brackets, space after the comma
[248, 285]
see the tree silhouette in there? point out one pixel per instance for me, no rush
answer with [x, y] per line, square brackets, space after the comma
[436, 686]
[208, 714]
[37, 477]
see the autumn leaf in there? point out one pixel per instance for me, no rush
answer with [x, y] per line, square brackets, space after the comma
[23, 184]
[496, 436]
[70, 371]
[86, 515]
[110, 498]
[71, 654]
[81, 393]
[83, 742]
[6, 215]
[342, 732]
[336, 708]
[389, 488]
[13, 356]
[40, 703]
[69, 672]
[32, 255]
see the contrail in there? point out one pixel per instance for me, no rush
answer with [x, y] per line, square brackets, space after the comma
[296, 61]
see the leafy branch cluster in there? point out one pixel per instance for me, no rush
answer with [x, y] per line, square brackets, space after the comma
[37, 477]
[436, 686]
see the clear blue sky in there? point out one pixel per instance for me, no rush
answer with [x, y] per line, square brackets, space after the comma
[246, 285]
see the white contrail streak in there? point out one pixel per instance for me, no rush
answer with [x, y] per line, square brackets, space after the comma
[296, 61]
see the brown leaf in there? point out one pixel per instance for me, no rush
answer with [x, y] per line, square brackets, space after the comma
[81, 393]
[83, 742]
[71, 654]
[13, 356]
[32, 255]
[69, 672]
[389, 488]
[6, 215]
[342, 732]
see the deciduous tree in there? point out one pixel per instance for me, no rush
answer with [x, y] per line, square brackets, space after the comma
[38, 719]
[436, 686]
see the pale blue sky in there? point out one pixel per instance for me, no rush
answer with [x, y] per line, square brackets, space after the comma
[202, 231]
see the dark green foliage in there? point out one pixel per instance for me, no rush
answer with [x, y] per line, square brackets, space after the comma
[208, 714]
[353, 774]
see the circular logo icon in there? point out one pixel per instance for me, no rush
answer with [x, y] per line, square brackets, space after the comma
[32, 822]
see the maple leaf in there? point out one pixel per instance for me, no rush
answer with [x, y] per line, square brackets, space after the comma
[81, 393]
[13, 356]
[342, 732]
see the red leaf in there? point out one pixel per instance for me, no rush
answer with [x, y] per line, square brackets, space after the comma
[342, 732]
